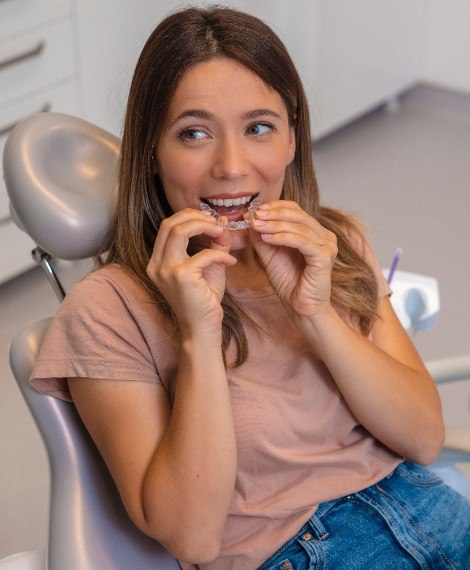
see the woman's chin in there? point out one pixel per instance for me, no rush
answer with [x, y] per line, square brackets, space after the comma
[239, 239]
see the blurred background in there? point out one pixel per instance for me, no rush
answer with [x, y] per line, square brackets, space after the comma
[388, 82]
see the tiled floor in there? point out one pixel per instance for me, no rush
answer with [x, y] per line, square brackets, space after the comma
[406, 174]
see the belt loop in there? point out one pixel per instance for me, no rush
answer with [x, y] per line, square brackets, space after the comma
[318, 528]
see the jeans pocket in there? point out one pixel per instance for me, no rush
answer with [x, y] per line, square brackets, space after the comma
[418, 475]
[295, 557]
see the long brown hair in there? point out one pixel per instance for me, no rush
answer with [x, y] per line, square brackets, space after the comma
[182, 40]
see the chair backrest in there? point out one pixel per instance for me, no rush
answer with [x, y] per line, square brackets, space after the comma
[59, 172]
[89, 528]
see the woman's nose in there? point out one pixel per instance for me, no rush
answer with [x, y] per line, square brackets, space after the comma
[230, 160]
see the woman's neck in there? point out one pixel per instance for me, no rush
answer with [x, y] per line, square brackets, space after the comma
[247, 273]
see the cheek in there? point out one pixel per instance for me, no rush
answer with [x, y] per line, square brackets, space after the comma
[180, 178]
[273, 164]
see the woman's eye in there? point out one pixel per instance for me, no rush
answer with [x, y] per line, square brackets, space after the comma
[192, 134]
[259, 129]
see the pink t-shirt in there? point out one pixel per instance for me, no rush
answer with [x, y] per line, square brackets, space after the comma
[298, 442]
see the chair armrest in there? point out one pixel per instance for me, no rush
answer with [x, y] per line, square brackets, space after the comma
[458, 438]
[450, 369]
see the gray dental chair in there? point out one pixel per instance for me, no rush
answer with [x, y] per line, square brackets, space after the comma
[60, 172]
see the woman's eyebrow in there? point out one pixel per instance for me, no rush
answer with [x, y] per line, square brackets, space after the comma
[196, 113]
[256, 113]
[200, 114]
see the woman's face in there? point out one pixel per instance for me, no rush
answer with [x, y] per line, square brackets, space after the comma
[226, 140]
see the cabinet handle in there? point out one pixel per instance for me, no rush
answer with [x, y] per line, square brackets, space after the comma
[9, 127]
[30, 53]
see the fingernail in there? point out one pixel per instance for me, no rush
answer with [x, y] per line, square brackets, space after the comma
[259, 223]
[261, 213]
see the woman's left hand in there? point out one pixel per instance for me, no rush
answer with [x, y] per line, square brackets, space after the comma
[297, 253]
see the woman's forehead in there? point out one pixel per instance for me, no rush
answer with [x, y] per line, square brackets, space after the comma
[223, 84]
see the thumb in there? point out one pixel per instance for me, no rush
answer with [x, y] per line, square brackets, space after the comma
[223, 242]
[264, 250]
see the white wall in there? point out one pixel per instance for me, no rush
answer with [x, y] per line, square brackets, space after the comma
[368, 52]
[447, 55]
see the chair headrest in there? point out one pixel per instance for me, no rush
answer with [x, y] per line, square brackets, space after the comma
[60, 174]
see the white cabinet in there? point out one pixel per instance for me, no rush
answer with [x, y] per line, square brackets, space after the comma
[38, 72]
[352, 56]
[366, 52]
[18, 16]
[36, 61]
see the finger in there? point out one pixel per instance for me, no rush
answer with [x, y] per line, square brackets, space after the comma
[192, 268]
[222, 242]
[207, 257]
[181, 217]
[290, 212]
[271, 227]
[309, 248]
[279, 203]
[264, 250]
[175, 248]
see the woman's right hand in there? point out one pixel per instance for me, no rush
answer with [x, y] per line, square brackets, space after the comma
[192, 285]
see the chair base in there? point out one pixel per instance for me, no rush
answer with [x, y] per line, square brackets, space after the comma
[452, 476]
[30, 560]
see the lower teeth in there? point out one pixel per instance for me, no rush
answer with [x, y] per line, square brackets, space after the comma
[241, 225]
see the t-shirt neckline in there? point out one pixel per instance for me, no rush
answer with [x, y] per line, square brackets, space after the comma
[246, 293]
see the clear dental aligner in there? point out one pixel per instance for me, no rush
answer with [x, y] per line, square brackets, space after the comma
[242, 224]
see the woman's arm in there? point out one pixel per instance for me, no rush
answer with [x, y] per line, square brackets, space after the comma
[175, 465]
[174, 468]
[384, 382]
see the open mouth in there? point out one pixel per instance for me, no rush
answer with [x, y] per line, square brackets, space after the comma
[232, 214]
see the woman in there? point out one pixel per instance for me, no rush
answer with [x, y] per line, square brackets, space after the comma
[250, 390]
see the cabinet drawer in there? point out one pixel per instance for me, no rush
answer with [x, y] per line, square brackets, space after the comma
[36, 60]
[15, 251]
[64, 100]
[19, 16]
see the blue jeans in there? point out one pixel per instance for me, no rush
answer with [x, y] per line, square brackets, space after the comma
[409, 520]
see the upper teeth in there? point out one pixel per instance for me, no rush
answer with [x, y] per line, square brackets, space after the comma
[230, 201]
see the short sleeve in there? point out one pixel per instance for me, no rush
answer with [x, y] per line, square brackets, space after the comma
[94, 334]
